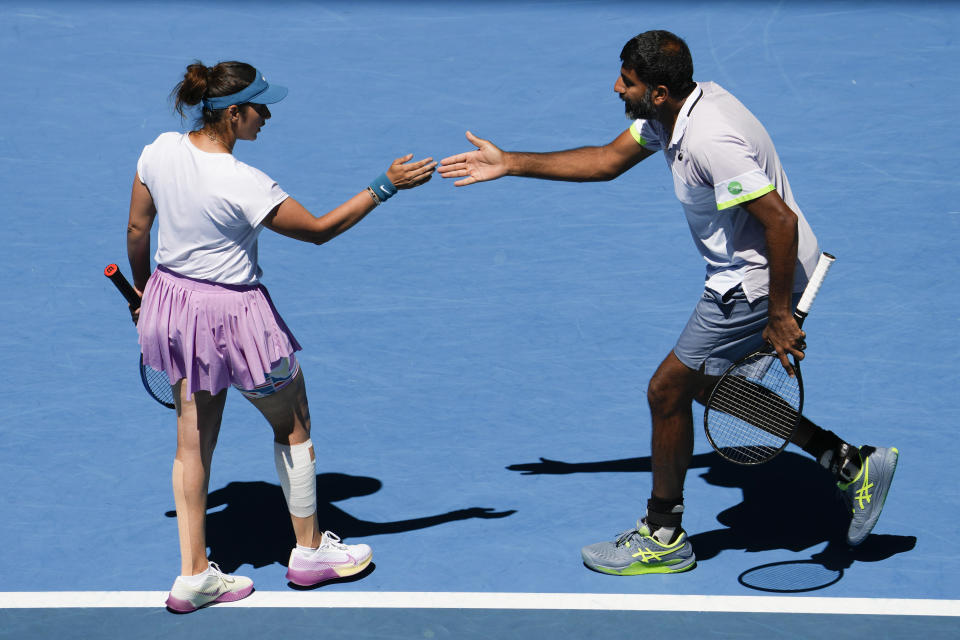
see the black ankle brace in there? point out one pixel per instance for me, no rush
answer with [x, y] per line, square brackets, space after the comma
[821, 441]
[664, 513]
[846, 462]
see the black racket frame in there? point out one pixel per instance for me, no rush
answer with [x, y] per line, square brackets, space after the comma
[130, 294]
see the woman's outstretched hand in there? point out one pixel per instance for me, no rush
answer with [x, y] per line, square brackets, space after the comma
[405, 174]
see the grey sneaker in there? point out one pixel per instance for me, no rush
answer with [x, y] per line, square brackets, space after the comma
[867, 492]
[216, 587]
[636, 552]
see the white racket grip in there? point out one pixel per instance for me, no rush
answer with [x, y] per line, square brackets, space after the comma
[813, 286]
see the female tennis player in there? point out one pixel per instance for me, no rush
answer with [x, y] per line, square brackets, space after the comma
[208, 323]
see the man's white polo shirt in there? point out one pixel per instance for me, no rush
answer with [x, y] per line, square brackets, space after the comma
[721, 156]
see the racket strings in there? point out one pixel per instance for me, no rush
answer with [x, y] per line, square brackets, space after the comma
[754, 410]
[739, 397]
[157, 384]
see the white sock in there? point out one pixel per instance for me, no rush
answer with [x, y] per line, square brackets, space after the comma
[847, 468]
[664, 534]
[197, 580]
[826, 459]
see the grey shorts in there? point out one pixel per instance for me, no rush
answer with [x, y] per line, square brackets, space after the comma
[722, 330]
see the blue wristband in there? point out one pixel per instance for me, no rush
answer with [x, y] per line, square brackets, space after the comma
[383, 187]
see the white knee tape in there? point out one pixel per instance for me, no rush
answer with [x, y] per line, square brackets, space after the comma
[297, 470]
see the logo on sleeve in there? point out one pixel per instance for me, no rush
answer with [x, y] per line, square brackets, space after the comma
[735, 188]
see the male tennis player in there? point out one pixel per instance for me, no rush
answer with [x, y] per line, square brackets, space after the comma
[759, 250]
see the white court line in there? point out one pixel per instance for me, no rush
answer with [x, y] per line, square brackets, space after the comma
[528, 601]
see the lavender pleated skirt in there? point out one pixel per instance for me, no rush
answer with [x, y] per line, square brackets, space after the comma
[214, 335]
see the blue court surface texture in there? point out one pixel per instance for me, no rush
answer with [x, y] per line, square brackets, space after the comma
[477, 358]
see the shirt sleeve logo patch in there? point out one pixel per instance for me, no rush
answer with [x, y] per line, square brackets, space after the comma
[735, 188]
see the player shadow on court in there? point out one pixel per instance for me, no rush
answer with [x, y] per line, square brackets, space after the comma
[788, 503]
[253, 525]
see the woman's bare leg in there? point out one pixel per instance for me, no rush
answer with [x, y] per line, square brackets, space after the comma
[198, 425]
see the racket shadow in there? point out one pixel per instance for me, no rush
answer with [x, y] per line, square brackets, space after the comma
[792, 576]
[248, 523]
[825, 568]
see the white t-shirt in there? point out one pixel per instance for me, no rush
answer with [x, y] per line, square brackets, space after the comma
[721, 156]
[209, 209]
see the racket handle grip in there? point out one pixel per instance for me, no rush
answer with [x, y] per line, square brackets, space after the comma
[813, 286]
[113, 272]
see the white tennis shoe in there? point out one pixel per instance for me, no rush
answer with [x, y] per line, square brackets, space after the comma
[216, 587]
[332, 559]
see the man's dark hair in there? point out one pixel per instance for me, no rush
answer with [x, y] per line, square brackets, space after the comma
[660, 57]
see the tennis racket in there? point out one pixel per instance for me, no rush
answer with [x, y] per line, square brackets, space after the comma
[754, 409]
[155, 382]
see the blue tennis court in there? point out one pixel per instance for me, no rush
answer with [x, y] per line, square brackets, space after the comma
[477, 358]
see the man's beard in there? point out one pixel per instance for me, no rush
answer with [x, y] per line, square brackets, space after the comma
[643, 109]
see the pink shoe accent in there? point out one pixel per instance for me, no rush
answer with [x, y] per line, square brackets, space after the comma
[180, 606]
[309, 578]
[233, 596]
[185, 606]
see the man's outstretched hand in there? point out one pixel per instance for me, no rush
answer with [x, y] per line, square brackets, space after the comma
[488, 162]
